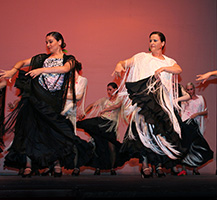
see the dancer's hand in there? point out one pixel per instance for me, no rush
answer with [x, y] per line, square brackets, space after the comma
[193, 116]
[8, 73]
[35, 72]
[203, 77]
[118, 69]
[158, 72]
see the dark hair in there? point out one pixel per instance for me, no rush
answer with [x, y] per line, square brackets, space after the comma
[113, 84]
[58, 37]
[161, 35]
[78, 66]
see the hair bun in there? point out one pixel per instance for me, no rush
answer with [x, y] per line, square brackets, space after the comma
[63, 45]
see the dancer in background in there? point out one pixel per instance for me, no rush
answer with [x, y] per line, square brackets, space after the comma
[155, 130]
[73, 109]
[42, 136]
[195, 108]
[183, 96]
[102, 124]
[204, 77]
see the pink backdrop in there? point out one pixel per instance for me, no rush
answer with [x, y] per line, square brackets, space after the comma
[102, 32]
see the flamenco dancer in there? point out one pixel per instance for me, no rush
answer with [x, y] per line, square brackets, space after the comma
[102, 124]
[43, 138]
[194, 109]
[156, 135]
[72, 108]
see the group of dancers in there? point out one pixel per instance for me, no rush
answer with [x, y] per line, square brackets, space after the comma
[51, 108]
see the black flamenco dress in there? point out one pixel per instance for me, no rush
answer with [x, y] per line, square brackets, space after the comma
[40, 131]
[192, 147]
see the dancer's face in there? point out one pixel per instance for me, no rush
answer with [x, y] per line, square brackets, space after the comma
[155, 43]
[190, 90]
[52, 44]
[110, 90]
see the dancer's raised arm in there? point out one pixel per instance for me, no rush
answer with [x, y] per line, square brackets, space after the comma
[204, 77]
[10, 73]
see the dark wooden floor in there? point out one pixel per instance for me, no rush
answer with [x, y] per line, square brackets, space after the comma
[87, 186]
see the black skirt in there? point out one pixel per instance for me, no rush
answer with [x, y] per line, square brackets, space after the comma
[97, 128]
[159, 119]
[40, 132]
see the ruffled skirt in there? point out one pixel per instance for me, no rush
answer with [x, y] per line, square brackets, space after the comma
[192, 148]
[41, 133]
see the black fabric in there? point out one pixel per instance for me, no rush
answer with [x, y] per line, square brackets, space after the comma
[195, 143]
[151, 109]
[58, 97]
[41, 133]
[134, 148]
[191, 144]
[97, 128]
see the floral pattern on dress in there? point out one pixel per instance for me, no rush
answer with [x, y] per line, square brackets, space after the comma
[52, 81]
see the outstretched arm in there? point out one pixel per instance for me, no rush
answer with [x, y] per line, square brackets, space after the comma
[204, 77]
[113, 107]
[10, 73]
[59, 69]
[88, 109]
[185, 96]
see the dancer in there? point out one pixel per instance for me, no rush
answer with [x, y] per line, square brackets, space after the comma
[204, 77]
[154, 133]
[102, 125]
[195, 109]
[42, 136]
[183, 96]
[73, 109]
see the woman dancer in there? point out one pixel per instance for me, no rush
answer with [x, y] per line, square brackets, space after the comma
[154, 133]
[43, 137]
[103, 129]
[73, 109]
[195, 108]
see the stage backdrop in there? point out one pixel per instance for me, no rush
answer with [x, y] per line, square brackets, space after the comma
[102, 32]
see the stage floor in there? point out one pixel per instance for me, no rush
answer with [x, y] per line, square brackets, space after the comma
[108, 187]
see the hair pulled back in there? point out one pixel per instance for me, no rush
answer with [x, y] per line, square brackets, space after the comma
[58, 36]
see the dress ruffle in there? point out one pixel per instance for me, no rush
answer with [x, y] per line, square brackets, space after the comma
[41, 133]
[191, 145]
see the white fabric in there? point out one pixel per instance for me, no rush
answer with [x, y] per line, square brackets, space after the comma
[70, 110]
[103, 103]
[191, 107]
[144, 66]
[112, 115]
